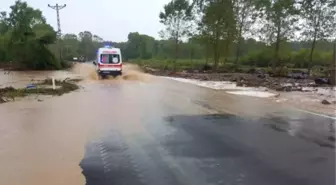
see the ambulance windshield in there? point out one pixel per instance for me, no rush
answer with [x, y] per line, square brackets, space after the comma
[109, 58]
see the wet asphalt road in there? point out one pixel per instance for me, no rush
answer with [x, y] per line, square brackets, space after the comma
[171, 133]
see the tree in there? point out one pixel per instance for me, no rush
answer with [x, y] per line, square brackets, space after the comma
[332, 76]
[203, 40]
[279, 19]
[43, 35]
[245, 17]
[86, 47]
[218, 26]
[319, 22]
[177, 19]
[332, 6]
[140, 46]
[4, 27]
[4, 24]
[70, 46]
[22, 18]
[96, 38]
[28, 36]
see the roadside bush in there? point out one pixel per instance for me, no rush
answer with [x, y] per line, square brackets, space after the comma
[2, 50]
[45, 60]
[66, 64]
[294, 59]
[300, 59]
[229, 67]
[260, 58]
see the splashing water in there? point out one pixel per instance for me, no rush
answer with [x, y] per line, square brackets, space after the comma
[130, 73]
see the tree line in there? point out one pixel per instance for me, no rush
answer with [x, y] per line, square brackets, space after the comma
[290, 32]
[251, 52]
[264, 33]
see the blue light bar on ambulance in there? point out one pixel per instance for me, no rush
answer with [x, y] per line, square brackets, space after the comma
[108, 46]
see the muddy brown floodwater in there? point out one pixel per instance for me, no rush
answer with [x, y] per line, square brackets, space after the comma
[43, 142]
[141, 129]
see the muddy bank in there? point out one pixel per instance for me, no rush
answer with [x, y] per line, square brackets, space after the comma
[41, 88]
[281, 84]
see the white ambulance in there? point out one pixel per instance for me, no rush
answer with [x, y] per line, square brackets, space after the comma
[109, 61]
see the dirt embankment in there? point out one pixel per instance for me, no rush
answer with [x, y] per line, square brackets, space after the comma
[43, 88]
[255, 79]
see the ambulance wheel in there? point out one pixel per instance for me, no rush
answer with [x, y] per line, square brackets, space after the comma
[118, 73]
[101, 77]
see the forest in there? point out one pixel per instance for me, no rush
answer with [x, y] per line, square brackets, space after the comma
[261, 33]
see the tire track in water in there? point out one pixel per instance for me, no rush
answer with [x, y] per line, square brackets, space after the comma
[108, 161]
[114, 159]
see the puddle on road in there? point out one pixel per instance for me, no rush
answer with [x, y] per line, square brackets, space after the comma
[320, 131]
[43, 142]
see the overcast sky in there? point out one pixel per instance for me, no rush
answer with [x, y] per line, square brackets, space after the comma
[110, 19]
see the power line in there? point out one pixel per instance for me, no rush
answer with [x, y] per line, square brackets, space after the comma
[59, 32]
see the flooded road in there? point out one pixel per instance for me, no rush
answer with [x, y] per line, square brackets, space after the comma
[139, 129]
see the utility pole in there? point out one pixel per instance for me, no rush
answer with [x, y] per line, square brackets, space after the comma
[58, 7]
